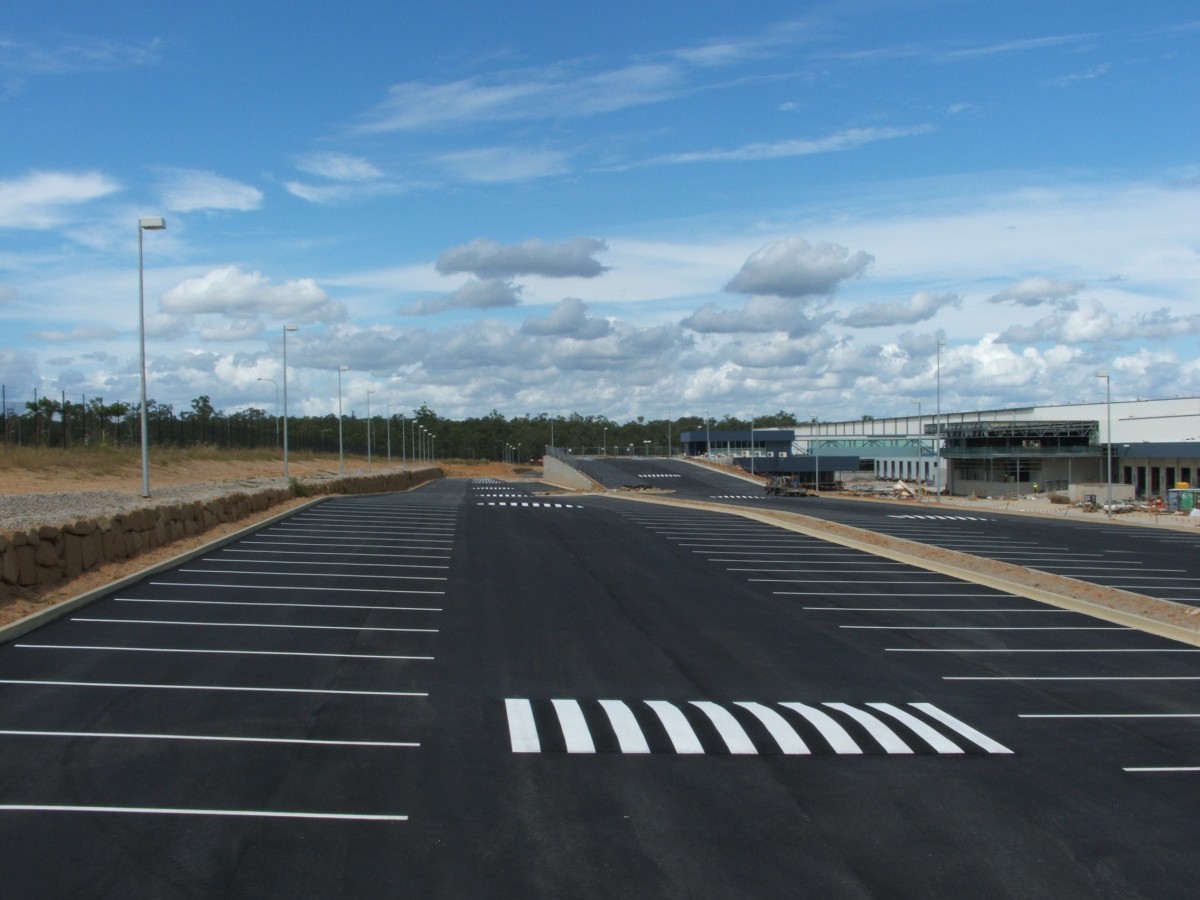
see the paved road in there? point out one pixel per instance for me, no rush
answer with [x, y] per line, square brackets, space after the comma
[470, 690]
[1156, 562]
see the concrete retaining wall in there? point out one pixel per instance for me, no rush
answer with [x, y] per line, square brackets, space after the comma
[38, 559]
[557, 472]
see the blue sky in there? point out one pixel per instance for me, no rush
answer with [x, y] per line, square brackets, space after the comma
[617, 210]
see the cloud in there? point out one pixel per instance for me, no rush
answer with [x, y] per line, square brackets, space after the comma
[82, 333]
[757, 152]
[922, 307]
[487, 293]
[338, 167]
[503, 165]
[759, 315]
[240, 295]
[7, 294]
[1094, 72]
[347, 178]
[186, 190]
[76, 54]
[795, 268]
[568, 319]
[1092, 322]
[488, 259]
[38, 200]
[1038, 291]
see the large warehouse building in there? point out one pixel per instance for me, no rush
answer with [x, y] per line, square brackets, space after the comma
[1154, 446]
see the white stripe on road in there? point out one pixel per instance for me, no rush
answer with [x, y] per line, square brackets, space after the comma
[976, 737]
[989, 627]
[269, 603]
[837, 736]
[785, 735]
[927, 734]
[292, 571]
[625, 726]
[166, 811]
[252, 625]
[309, 553]
[203, 737]
[574, 726]
[1048, 650]
[209, 687]
[888, 739]
[678, 729]
[286, 587]
[224, 652]
[727, 726]
[522, 730]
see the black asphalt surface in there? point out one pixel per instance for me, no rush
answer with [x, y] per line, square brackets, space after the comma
[471, 690]
[1159, 563]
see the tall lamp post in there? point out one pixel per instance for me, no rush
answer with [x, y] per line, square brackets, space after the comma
[1108, 442]
[817, 450]
[148, 223]
[276, 416]
[937, 436]
[919, 460]
[389, 434]
[369, 393]
[286, 329]
[341, 443]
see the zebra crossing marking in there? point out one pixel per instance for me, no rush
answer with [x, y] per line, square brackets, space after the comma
[529, 503]
[535, 725]
[938, 518]
[737, 497]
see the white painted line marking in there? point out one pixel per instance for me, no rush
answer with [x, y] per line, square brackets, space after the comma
[988, 627]
[937, 741]
[250, 625]
[928, 609]
[210, 687]
[292, 571]
[284, 587]
[1071, 678]
[1108, 715]
[839, 739]
[310, 562]
[269, 603]
[1161, 769]
[522, 730]
[322, 553]
[728, 727]
[1047, 650]
[574, 726]
[976, 737]
[225, 652]
[678, 729]
[888, 739]
[203, 737]
[785, 735]
[161, 811]
[625, 726]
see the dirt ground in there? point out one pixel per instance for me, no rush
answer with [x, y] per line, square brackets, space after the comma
[15, 481]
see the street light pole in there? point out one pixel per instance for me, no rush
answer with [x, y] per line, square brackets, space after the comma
[369, 393]
[919, 460]
[817, 450]
[937, 429]
[286, 329]
[1108, 442]
[276, 416]
[341, 443]
[149, 223]
[389, 434]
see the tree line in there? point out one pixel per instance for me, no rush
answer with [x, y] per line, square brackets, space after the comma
[47, 422]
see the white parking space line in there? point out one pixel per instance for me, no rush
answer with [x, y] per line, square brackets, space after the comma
[247, 625]
[1161, 769]
[929, 609]
[284, 587]
[221, 652]
[171, 811]
[1071, 677]
[272, 603]
[309, 554]
[207, 687]
[310, 562]
[988, 627]
[326, 553]
[1195, 715]
[1041, 650]
[215, 738]
[293, 571]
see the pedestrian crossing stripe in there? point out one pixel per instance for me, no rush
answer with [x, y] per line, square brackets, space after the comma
[737, 497]
[741, 729]
[660, 475]
[940, 518]
[530, 503]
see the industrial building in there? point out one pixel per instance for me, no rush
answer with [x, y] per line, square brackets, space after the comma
[1150, 447]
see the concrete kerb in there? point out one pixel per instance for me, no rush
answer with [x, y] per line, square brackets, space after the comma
[821, 530]
[57, 611]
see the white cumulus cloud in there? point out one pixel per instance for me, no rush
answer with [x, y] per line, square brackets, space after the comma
[793, 267]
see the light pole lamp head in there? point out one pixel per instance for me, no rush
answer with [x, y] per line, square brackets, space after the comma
[343, 368]
[152, 223]
[291, 327]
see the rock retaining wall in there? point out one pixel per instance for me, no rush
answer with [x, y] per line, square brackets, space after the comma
[37, 559]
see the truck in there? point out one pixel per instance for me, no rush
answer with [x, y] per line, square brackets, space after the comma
[786, 487]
